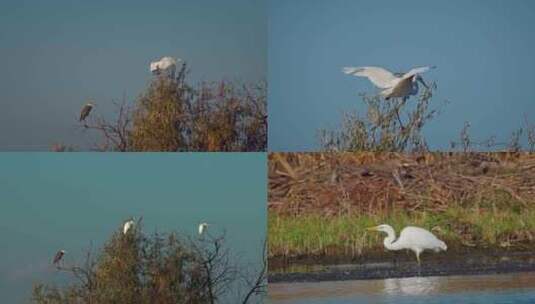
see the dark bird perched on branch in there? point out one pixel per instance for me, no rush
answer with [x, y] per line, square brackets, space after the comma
[59, 255]
[85, 111]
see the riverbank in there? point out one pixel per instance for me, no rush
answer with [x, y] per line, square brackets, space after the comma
[401, 266]
[482, 205]
[345, 237]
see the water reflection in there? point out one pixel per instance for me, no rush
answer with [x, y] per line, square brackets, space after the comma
[412, 286]
[516, 286]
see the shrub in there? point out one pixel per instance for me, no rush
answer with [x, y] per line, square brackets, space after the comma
[159, 268]
[383, 128]
[172, 115]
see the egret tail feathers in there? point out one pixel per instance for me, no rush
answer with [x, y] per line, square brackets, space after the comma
[352, 71]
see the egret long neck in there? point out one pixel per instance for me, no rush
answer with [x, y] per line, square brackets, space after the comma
[390, 241]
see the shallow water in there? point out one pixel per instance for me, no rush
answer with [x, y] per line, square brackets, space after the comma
[505, 288]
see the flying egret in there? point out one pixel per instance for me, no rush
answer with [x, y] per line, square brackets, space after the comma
[128, 225]
[414, 238]
[167, 64]
[59, 255]
[202, 228]
[392, 85]
[85, 111]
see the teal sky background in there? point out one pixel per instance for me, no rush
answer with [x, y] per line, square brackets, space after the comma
[55, 55]
[483, 49]
[53, 201]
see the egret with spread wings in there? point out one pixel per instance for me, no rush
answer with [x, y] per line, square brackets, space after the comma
[392, 85]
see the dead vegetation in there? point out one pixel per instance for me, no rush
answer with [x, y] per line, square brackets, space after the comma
[390, 126]
[376, 183]
[320, 204]
[467, 143]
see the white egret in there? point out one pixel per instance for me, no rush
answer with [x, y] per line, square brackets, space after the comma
[85, 111]
[414, 238]
[392, 85]
[166, 64]
[202, 228]
[128, 225]
[59, 255]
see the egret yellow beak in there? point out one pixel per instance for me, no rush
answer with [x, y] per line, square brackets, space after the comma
[372, 228]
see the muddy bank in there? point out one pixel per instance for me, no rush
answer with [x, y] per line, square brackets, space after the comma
[402, 266]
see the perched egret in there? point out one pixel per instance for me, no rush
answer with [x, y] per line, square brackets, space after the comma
[413, 238]
[392, 85]
[128, 225]
[167, 64]
[202, 228]
[59, 255]
[85, 111]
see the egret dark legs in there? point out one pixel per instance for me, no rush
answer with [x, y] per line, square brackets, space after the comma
[399, 118]
[419, 264]
[397, 111]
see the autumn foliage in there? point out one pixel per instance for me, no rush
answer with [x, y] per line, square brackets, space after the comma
[171, 115]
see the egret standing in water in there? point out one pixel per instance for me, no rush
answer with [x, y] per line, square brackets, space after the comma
[57, 258]
[414, 238]
[399, 85]
[85, 111]
[128, 225]
[202, 228]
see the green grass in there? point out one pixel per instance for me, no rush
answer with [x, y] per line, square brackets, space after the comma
[316, 235]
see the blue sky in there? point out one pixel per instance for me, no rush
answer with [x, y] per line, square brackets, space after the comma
[55, 200]
[57, 54]
[483, 50]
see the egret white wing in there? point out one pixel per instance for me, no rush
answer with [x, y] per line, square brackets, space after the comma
[419, 70]
[421, 237]
[378, 76]
[153, 66]
[127, 226]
